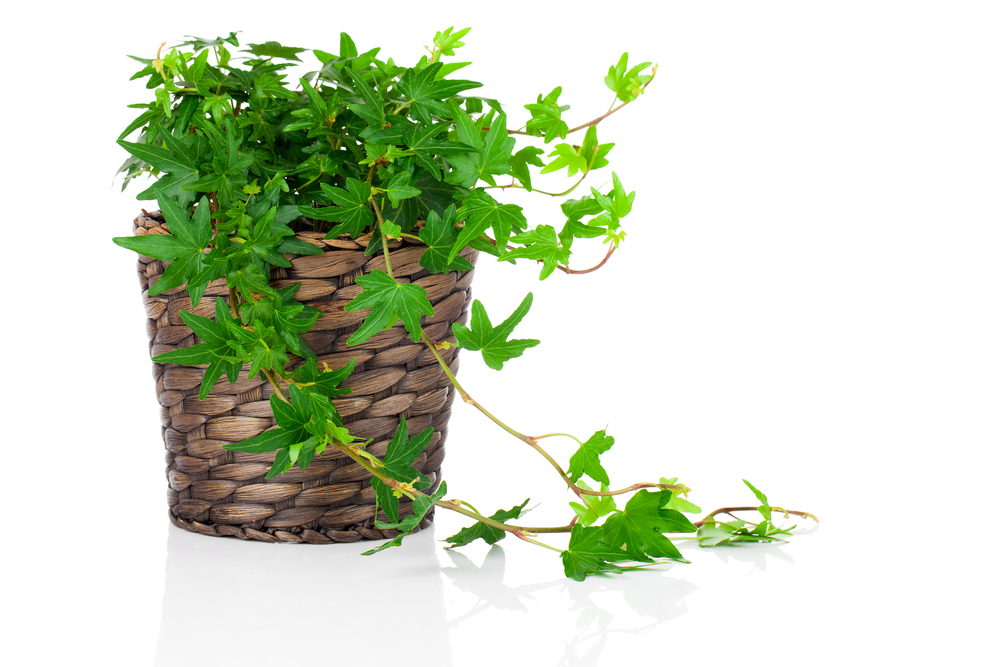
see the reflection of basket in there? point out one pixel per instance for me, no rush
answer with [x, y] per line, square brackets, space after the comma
[217, 492]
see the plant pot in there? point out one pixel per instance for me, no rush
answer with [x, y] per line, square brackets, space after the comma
[221, 493]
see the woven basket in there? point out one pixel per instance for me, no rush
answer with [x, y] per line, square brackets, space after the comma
[216, 492]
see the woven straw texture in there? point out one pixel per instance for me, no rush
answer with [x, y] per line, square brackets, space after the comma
[216, 492]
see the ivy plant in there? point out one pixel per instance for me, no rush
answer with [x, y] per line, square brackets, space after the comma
[242, 158]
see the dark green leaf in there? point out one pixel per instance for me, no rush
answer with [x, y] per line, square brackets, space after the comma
[427, 94]
[275, 50]
[351, 209]
[389, 301]
[399, 188]
[641, 525]
[421, 505]
[481, 212]
[589, 554]
[587, 459]
[492, 158]
[519, 162]
[187, 356]
[398, 464]
[439, 235]
[268, 441]
[488, 534]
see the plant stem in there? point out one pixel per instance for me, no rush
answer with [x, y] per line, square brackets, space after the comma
[679, 488]
[567, 270]
[278, 391]
[521, 536]
[385, 241]
[447, 504]
[730, 510]
[550, 435]
[541, 192]
[517, 434]
[233, 298]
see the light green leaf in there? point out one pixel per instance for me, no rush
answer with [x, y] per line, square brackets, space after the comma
[492, 341]
[587, 459]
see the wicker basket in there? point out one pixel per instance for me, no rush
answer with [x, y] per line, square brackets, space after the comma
[221, 493]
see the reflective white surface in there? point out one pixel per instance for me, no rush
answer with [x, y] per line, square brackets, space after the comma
[807, 298]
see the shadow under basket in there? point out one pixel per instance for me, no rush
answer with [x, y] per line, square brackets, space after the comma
[221, 493]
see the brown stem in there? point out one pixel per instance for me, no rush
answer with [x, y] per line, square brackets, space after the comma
[567, 270]
[678, 488]
[730, 510]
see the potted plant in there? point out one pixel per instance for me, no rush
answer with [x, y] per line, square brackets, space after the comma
[307, 279]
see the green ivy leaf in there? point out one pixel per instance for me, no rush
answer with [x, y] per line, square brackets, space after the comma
[421, 505]
[627, 85]
[585, 158]
[677, 502]
[439, 235]
[187, 356]
[493, 151]
[765, 508]
[588, 554]
[446, 42]
[587, 459]
[492, 342]
[389, 301]
[593, 507]
[641, 525]
[399, 188]
[351, 209]
[540, 244]
[519, 162]
[183, 248]
[481, 212]
[400, 454]
[275, 50]
[546, 117]
[435, 196]
[427, 94]
[488, 534]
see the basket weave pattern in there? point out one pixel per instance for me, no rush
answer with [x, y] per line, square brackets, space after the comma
[221, 493]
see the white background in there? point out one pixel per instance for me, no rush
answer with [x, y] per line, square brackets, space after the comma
[807, 298]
